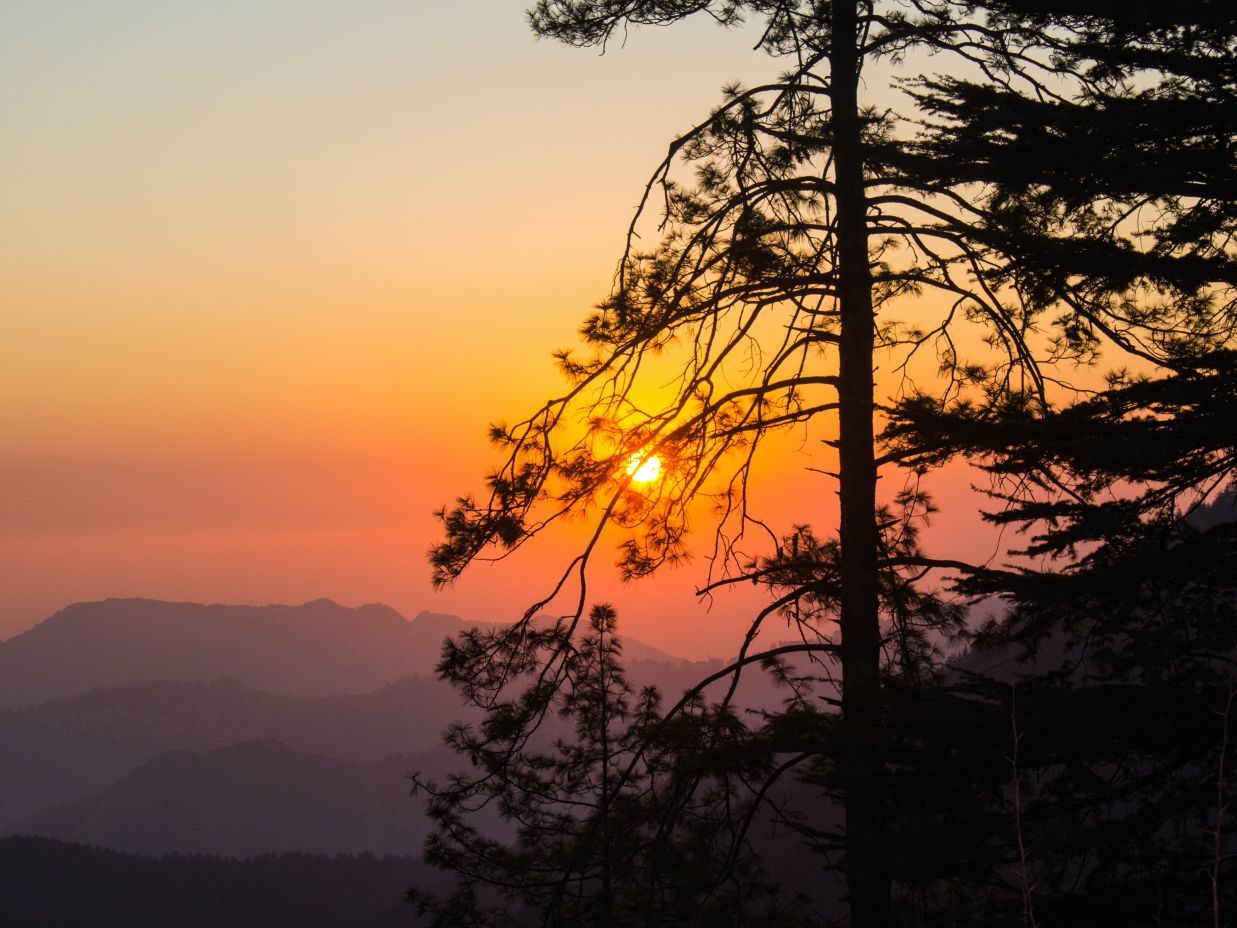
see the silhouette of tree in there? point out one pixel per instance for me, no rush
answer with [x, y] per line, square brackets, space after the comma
[1121, 626]
[588, 808]
[1122, 637]
[802, 236]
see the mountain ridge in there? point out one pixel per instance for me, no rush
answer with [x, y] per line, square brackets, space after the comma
[246, 799]
[316, 648]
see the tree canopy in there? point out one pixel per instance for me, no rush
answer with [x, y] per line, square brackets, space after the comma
[1051, 189]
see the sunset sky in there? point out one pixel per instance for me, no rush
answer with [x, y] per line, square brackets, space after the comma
[267, 270]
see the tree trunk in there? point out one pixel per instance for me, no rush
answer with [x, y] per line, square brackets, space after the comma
[866, 873]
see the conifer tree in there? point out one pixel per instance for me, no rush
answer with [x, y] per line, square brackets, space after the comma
[579, 837]
[1122, 630]
[1120, 639]
[800, 254]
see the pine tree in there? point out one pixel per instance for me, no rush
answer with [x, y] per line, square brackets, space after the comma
[1121, 640]
[580, 833]
[1122, 630]
[798, 256]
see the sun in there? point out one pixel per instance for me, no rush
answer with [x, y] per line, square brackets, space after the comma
[644, 469]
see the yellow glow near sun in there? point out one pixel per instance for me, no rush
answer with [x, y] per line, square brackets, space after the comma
[642, 469]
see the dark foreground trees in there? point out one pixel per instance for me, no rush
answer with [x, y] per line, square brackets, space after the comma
[808, 239]
[585, 803]
[1115, 659]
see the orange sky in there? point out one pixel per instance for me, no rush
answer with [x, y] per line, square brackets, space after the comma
[268, 270]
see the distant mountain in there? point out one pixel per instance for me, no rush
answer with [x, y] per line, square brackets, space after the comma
[223, 759]
[316, 649]
[70, 748]
[254, 798]
[53, 884]
[160, 798]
